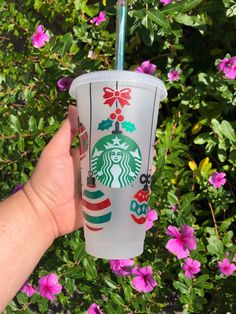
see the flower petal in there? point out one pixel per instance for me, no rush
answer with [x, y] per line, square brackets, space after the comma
[173, 232]
[176, 248]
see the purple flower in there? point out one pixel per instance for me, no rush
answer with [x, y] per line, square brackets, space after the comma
[225, 267]
[191, 267]
[94, 309]
[146, 67]
[144, 281]
[174, 208]
[182, 243]
[29, 290]
[64, 83]
[99, 19]
[17, 188]
[49, 286]
[217, 179]
[173, 75]
[151, 216]
[122, 267]
[39, 38]
[165, 2]
[228, 67]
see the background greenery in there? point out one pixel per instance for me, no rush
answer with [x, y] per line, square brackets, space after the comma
[195, 122]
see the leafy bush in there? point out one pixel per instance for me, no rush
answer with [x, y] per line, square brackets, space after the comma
[195, 139]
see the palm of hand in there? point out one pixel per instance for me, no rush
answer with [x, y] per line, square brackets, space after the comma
[55, 182]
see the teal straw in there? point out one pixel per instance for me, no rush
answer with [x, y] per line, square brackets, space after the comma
[120, 34]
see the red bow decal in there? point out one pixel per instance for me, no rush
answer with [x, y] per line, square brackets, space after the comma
[111, 95]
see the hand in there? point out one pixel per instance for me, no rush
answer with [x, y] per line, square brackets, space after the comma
[54, 189]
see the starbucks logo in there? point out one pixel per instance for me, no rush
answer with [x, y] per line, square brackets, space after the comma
[116, 160]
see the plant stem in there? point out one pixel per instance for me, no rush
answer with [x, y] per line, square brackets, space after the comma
[214, 218]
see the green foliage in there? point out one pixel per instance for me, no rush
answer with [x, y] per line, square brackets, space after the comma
[195, 137]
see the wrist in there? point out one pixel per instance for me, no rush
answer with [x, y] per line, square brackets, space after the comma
[42, 213]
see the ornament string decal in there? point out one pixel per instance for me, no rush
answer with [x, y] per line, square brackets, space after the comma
[96, 205]
[139, 203]
[150, 143]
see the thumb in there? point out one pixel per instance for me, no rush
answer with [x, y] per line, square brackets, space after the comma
[61, 142]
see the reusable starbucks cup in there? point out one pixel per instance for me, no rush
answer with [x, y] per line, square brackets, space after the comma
[117, 119]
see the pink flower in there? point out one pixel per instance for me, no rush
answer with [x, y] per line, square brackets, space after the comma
[191, 267]
[48, 286]
[151, 216]
[234, 258]
[29, 290]
[64, 83]
[94, 309]
[226, 268]
[165, 2]
[146, 67]
[182, 243]
[39, 38]
[92, 55]
[173, 207]
[228, 66]
[17, 188]
[217, 179]
[173, 75]
[99, 19]
[144, 281]
[121, 267]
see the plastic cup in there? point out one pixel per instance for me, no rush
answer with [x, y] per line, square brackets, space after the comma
[118, 113]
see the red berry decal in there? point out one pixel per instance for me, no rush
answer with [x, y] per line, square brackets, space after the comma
[118, 110]
[113, 116]
[120, 118]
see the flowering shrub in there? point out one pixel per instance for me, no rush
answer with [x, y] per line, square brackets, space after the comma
[189, 263]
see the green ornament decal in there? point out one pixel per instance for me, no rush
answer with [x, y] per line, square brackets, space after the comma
[116, 160]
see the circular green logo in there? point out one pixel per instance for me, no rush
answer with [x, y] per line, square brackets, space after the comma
[116, 160]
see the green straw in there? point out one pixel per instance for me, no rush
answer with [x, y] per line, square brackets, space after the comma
[120, 33]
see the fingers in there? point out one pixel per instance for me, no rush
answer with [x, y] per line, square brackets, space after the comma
[61, 142]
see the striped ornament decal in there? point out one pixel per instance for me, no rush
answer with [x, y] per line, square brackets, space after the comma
[96, 208]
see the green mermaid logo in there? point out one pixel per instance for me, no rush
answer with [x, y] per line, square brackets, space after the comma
[116, 160]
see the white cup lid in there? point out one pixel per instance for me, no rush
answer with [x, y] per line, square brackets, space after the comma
[118, 75]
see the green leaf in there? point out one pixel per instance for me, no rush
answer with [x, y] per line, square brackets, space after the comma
[80, 253]
[182, 6]
[201, 279]
[216, 126]
[128, 293]
[215, 246]
[15, 123]
[90, 268]
[117, 299]
[158, 17]
[70, 285]
[225, 224]
[21, 145]
[41, 124]
[32, 124]
[110, 283]
[227, 237]
[105, 125]
[67, 42]
[128, 126]
[22, 298]
[228, 131]
[206, 285]
[181, 287]
[172, 198]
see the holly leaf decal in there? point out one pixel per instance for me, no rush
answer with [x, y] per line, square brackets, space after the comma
[105, 124]
[128, 126]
